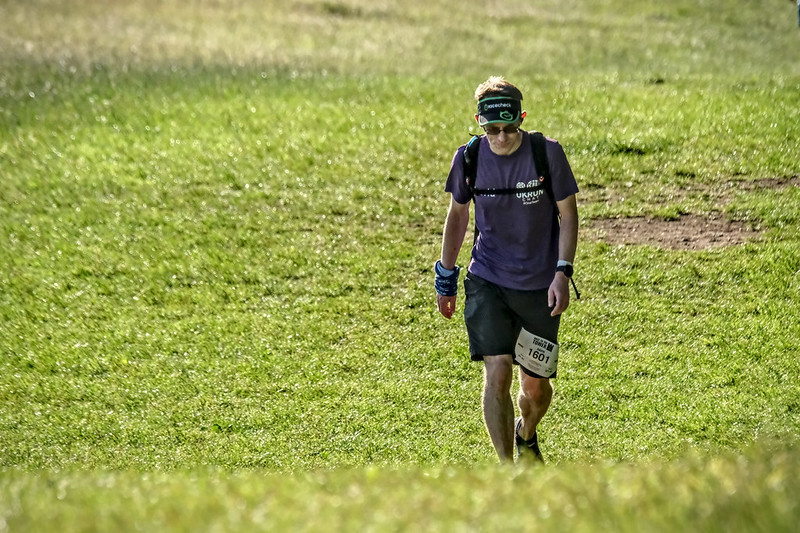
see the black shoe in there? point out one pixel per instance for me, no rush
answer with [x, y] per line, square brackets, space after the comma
[526, 449]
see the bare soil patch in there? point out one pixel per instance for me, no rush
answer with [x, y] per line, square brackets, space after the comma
[688, 232]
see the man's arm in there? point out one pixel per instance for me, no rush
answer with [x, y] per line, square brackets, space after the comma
[558, 295]
[568, 233]
[455, 228]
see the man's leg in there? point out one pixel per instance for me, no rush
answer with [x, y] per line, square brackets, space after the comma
[534, 399]
[498, 408]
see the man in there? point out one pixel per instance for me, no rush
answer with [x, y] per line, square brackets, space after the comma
[518, 277]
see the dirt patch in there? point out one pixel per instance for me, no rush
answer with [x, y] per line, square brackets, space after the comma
[770, 183]
[688, 232]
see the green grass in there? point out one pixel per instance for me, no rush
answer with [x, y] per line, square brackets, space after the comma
[216, 232]
[748, 492]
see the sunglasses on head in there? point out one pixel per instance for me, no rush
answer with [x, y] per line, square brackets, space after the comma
[495, 130]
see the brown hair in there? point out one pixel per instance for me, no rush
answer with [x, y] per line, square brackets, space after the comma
[497, 86]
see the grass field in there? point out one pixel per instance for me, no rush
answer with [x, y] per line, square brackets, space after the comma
[217, 227]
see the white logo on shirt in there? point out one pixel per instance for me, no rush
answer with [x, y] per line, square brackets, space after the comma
[530, 197]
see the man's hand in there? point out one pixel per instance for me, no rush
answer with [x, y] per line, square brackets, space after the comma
[557, 294]
[446, 283]
[447, 305]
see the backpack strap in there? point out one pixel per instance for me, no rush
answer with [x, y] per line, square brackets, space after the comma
[539, 149]
[471, 162]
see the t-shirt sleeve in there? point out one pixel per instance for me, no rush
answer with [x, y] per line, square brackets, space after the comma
[564, 184]
[456, 181]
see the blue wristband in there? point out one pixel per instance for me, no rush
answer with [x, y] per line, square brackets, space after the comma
[446, 281]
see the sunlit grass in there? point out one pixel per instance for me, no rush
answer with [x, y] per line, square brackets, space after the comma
[752, 492]
[517, 38]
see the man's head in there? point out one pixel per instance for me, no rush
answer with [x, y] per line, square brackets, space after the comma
[500, 114]
[499, 101]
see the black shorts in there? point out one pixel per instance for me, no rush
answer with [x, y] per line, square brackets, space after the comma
[494, 316]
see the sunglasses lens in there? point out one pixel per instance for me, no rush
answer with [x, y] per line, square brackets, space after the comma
[494, 130]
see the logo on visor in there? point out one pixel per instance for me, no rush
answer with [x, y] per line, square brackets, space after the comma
[506, 115]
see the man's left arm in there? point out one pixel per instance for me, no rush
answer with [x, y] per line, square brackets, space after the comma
[558, 294]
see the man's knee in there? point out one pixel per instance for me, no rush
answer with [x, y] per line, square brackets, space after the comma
[537, 390]
[499, 372]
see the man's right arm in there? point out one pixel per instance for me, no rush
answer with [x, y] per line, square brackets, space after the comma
[455, 228]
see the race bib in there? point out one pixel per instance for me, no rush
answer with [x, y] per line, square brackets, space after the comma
[538, 355]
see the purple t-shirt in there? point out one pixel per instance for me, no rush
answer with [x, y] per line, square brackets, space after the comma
[518, 242]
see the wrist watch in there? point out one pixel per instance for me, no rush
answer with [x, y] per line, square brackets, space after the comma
[566, 269]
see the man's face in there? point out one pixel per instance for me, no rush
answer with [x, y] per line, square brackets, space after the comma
[504, 138]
